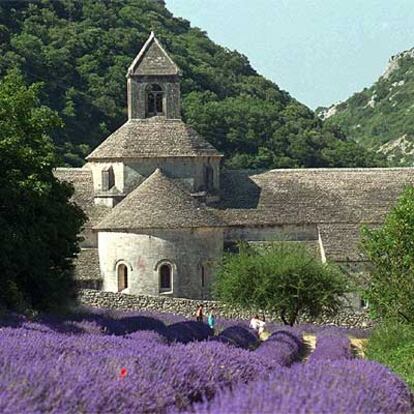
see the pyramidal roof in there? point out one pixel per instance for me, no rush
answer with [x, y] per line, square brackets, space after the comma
[153, 137]
[158, 202]
[153, 60]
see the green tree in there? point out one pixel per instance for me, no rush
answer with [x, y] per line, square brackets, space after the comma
[390, 249]
[282, 278]
[81, 50]
[39, 226]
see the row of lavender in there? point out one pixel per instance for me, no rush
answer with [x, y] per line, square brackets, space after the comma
[136, 363]
[125, 363]
[331, 381]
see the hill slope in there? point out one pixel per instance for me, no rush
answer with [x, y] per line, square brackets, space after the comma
[382, 116]
[81, 51]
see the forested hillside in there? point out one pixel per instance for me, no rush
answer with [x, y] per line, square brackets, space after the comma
[382, 117]
[81, 51]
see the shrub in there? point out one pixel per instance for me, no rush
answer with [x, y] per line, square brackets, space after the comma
[239, 336]
[282, 277]
[331, 346]
[129, 324]
[282, 347]
[354, 386]
[392, 344]
[391, 252]
[45, 371]
[188, 331]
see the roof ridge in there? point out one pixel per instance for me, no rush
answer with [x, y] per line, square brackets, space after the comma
[159, 202]
[151, 39]
[336, 169]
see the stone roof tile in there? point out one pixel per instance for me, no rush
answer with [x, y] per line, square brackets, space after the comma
[153, 137]
[153, 60]
[311, 195]
[81, 179]
[159, 202]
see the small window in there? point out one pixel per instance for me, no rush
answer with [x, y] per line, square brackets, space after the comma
[165, 278]
[108, 179]
[122, 277]
[155, 100]
[209, 177]
[203, 276]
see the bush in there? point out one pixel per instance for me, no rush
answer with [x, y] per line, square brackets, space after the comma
[282, 347]
[392, 344]
[391, 252]
[239, 336]
[188, 331]
[331, 346]
[282, 277]
[346, 386]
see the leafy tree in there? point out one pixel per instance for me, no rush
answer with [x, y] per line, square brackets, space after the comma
[39, 226]
[390, 249]
[81, 50]
[382, 113]
[282, 278]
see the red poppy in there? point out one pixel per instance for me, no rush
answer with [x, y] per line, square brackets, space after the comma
[123, 373]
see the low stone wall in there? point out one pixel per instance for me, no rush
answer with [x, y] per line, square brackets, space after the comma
[187, 307]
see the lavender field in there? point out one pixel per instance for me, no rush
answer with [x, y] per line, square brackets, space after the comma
[101, 362]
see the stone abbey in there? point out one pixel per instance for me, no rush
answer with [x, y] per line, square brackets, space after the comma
[162, 209]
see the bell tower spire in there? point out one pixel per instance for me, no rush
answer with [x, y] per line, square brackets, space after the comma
[153, 81]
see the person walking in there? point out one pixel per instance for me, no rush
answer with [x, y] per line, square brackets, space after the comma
[199, 313]
[211, 320]
[257, 325]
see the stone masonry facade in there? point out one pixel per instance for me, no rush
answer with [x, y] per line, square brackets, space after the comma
[162, 209]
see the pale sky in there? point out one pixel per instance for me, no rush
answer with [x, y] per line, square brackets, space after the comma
[320, 51]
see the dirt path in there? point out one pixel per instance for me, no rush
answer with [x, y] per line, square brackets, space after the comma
[357, 345]
[310, 343]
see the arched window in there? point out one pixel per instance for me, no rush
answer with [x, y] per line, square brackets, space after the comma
[122, 277]
[165, 272]
[155, 100]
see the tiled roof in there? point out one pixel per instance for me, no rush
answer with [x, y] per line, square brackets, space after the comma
[153, 137]
[311, 195]
[81, 179]
[159, 202]
[153, 60]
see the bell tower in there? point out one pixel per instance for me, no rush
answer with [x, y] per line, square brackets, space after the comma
[153, 81]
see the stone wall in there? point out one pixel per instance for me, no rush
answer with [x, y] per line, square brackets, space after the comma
[188, 251]
[186, 307]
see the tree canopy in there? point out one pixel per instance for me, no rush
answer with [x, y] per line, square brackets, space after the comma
[39, 226]
[381, 117]
[390, 249]
[82, 49]
[282, 278]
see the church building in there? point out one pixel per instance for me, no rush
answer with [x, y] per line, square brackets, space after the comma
[162, 209]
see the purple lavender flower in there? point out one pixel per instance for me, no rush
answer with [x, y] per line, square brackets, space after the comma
[353, 386]
[283, 347]
[331, 346]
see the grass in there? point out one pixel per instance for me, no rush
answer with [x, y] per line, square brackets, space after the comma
[392, 344]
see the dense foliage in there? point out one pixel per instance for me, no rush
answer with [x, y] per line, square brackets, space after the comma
[82, 49]
[74, 364]
[343, 386]
[382, 116]
[282, 278]
[39, 226]
[392, 344]
[390, 249]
